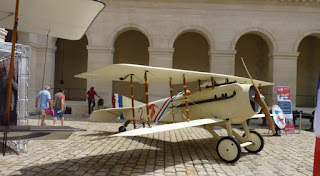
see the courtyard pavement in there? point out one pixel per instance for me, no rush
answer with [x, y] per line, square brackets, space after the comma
[189, 151]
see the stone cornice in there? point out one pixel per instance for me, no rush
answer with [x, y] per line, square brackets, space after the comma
[41, 48]
[161, 51]
[94, 49]
[252, 2]
[223, 52]
[285, 55]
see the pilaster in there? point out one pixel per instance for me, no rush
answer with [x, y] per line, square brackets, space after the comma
[284, 66]
[222, 61]
[160, 57]
[100, 57]
[3, 34]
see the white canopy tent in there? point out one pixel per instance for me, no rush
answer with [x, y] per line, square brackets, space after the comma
[67, 19]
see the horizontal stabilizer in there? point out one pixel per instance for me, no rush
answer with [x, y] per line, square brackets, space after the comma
[167, 127]
[260, 116]
[37, 132]
[107, 115]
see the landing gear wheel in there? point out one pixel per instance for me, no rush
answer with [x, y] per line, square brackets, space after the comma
[122, 129]
[257, 140]
[228, 149]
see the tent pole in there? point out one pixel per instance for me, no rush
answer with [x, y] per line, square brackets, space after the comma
[14, 36]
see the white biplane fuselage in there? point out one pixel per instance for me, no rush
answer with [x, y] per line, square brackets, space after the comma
[230, 101]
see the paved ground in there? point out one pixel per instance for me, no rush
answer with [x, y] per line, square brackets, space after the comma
[189, 151]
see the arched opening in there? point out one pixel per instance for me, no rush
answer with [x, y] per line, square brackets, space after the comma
[71, 59]
[255, 52]
[308, 66]
[191, 52]
[131, 47]
[9, 36]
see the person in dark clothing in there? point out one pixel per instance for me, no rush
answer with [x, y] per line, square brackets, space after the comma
[90, 96]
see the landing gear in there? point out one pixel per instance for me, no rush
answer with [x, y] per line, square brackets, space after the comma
[229, 149]
[257, 142]
[123, 128]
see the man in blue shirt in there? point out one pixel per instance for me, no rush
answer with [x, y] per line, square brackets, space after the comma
[43, 98]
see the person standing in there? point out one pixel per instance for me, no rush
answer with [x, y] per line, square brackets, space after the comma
[59, 106]
[90, 96]
[43, 98]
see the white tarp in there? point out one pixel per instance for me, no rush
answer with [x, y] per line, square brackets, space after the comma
[67, 19]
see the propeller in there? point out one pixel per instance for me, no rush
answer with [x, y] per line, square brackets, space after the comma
[259, 98]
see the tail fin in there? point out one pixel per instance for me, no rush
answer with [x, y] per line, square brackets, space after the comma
[119, 101]
[107, 115]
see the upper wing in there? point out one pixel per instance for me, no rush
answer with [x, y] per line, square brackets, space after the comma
[167, 127]
[159, 75]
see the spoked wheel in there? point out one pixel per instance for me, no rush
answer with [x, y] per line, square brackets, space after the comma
[122, 129]
[257, 140]
[228, 149]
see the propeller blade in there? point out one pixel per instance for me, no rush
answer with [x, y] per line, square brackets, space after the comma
[262, 103]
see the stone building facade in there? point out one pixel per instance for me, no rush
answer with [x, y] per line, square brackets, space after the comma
[279, 40]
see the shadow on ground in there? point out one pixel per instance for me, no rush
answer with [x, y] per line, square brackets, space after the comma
[157, 156]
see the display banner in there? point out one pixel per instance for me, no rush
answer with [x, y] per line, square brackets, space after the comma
[117, 102]
[284, 101]
[316, 124]
[4, 75]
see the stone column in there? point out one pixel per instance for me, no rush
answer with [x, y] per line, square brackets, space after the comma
[100, 57]
[41, 65]
[285, 72]
[3, 34]
[160, 57]
[222, 61]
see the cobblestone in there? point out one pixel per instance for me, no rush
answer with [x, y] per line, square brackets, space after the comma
[189, 151]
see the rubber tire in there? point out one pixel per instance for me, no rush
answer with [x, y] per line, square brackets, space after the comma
[255, 136]
[228, 145]
[122, 129]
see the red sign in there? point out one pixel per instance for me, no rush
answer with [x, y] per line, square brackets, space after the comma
[283, 91]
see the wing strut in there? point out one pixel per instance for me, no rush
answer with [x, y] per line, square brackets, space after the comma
[186, 96]
[170, 84]
[212, 82]
[132, 102]
[147, 96]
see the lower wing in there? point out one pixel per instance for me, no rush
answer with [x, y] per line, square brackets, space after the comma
[167, 127]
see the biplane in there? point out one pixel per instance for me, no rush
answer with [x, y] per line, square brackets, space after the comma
[221, 100]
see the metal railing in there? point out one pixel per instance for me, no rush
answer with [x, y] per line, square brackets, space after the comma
[73, 94]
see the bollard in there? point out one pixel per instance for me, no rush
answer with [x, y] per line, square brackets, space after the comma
[300, 116]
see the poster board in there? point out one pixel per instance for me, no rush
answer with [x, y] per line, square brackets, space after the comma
[284, 102]
[4, 75]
